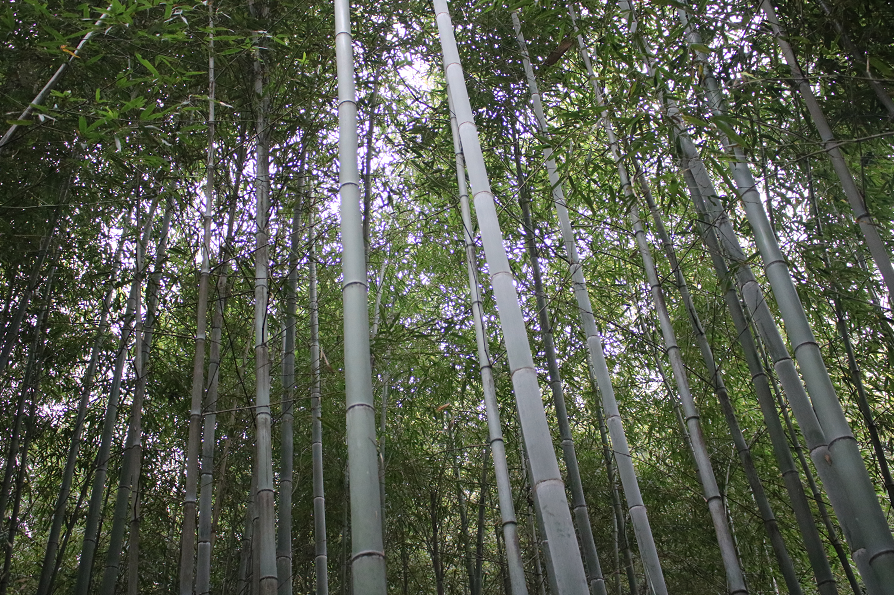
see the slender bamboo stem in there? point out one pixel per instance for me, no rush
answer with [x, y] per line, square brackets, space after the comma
[49, 565]
[95, 506]
[133, 446]
[869, 227]
[188, 536]
[321, 558]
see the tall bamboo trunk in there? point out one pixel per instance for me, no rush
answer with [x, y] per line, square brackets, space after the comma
[880, 252]
[516, 571]
[786, 566]
[208, 512]
[264, 537]
[566, 569]
[133, 449]
[49, 565]
[28, 388]
[819, 499]
[368, 558]
[95, 506]
[287, 419]
[734, 576]
[188, 536]
[321, 558]
[853, 367]
[626, 471]
[813, 543]
[833, 448]
[572, 471]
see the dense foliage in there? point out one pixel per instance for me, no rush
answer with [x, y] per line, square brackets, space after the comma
[128, 124]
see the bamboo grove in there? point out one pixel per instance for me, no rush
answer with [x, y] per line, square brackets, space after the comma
[516, 298]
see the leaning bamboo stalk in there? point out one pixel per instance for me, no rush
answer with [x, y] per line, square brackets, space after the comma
[188, 534]
[49, 560]
[732, 566]
[630, 483]
[869, 227]
[566, 570]
[818, 498]
[133, 449]
[95, 506]
[578, 500]
[786, 566]
[368, 550]
[54, 80]
[508, 520]
[833, 447]
[813, 543]
[853, 367]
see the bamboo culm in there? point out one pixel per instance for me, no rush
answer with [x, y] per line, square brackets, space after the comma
[188, 535]
[368, 550]
[208, 513]
[853, 367]
[566, 569]
[95, 506]
[133, 449]
[813, 543]
[578, 501]
[629, 482]
[869, 227]
[734, 576]
[287, 419]
[833, 448]
[321, 557]
[49, 560]
[515, 566]
[786, 566]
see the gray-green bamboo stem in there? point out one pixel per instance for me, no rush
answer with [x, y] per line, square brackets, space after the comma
[95, 506]
[816, 551]
[566, 569]
[629, 481]
[878, 250]
[188, 536]
[321, 557]
[265, 536]
[786, 566]
[734, 576]
[515, 566]
[47, 572]
[833, 448]
[368, 550]
[133, 445]
[578, 501]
